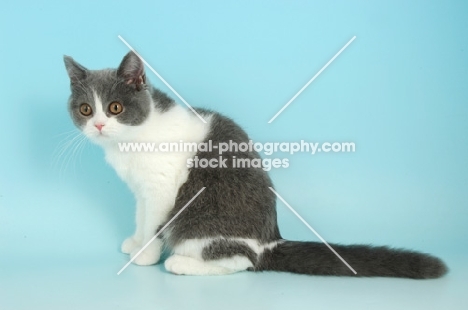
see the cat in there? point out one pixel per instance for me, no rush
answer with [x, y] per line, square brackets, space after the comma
[232, 225]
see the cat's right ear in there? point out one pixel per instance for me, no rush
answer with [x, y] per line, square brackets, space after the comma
[132, 70]
[75, 71]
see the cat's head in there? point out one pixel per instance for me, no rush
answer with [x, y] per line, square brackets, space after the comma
[107, 105]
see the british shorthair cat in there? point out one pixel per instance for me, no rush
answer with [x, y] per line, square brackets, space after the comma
[232, 225]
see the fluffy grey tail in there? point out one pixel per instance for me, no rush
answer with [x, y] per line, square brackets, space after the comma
[368, 261]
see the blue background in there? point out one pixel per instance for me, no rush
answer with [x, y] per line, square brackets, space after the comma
[398, 91]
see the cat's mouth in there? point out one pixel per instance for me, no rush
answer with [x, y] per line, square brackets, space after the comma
[101, 132]
[99, 135]
[102, 135]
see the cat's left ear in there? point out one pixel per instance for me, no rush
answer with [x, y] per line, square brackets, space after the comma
[132, 70]
[75, 71]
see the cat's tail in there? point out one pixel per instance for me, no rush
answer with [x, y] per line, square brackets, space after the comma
[368, 261]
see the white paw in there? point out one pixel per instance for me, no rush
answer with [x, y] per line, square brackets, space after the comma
[149, 256]
[175, 264]
[129, 245]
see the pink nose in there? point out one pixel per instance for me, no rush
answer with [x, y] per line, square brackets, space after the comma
[99, 126]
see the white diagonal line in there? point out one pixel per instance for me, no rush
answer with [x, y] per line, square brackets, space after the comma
[162, 79]
[311, 80]
[313, 230]
[160, 231]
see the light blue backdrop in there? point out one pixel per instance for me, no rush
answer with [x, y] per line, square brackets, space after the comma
[398, 91]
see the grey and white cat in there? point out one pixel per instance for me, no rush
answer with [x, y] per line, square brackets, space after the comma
[232, 225]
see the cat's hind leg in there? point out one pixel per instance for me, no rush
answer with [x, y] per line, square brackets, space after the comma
[185, 265]
[210, 257]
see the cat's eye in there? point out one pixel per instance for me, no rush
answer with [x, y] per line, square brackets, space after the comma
[85, 109]
[115, 108]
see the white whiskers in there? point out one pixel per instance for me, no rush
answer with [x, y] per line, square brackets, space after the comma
[67, 151]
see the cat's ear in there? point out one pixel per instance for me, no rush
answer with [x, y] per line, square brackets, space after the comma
[75, 71]
[132, 70]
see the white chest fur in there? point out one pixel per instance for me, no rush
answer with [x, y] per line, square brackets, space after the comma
[145, 169]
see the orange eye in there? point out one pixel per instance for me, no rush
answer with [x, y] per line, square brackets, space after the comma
[85, 109]
[115, 108]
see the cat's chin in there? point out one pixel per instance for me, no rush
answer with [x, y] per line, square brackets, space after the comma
[102, 139]
[107, 141]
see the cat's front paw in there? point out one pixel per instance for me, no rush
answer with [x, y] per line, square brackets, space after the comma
[129, 245]
[149, 256]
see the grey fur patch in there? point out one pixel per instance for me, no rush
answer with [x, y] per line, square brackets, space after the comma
[236, 201]
[162, 101]
[219, 249]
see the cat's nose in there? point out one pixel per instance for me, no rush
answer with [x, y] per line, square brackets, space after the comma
[99, 126]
